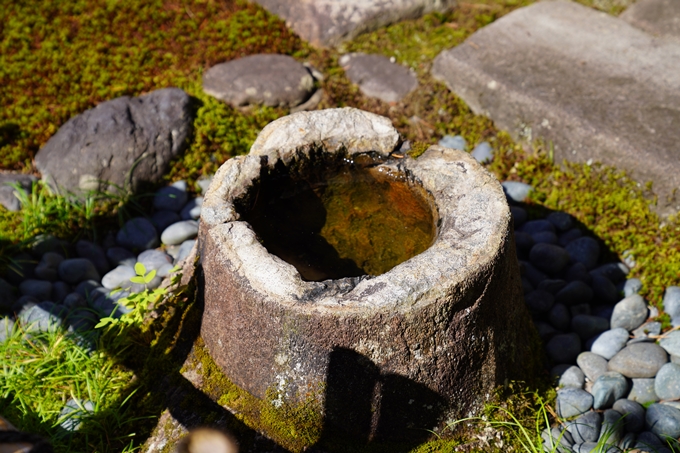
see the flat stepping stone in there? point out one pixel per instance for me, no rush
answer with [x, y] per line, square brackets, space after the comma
[270, 79]
[327, 23]
[378, 77]
[122, 138]
[656, 17]
[591, 84]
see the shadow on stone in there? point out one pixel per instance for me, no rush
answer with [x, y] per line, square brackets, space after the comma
[365, 408]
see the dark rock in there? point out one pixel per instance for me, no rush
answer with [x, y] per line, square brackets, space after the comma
[107, 304]
[587, 326]
[586, 428]
[539, 301]
[59, 291]
[612, 427]
[46, 243]
[94, 253]
[121, 141]
[138, 234]
[378, 77]
[89, 288]
[7, 296]
[609, 343]
[524, 242]
[163, 219]
[630, 313]
[329, 23]
[548, 258]
[519, 216]
[640, 360]
[634, 415]
[608, 388]
[22, 268]
[73, 301]
[593, 365]
[667, 382]
[552, 286]
[8, 194]
[569, 236]
[615, 272]
[643, 391]
[270, 79]
[605, 291]
[48, 267]
[523, 70]
[627, 441]
[76, 270]
[534, 275]
[580, 309]
[119, 255]
[584, 250]
[649, 442]
[574, 293]
[554, 437]
[73, 413]
[39, 289]
[573, 401]
[578, 272]
[516, 191]
[171, 198]
[527, 287]
[562, 221]
[564, 348]
[545, 330]
[663, 420]
[545, 237]
[559, 317]
[191, 210]
[537, 226]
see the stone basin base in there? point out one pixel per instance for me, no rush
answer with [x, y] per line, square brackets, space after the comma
[384, 356]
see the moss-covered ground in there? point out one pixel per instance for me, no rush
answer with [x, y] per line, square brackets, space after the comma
[58, 59]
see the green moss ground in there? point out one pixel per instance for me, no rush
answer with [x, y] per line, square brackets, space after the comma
[60, 58]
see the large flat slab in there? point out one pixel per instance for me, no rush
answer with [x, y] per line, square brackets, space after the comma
[591, 84]
[329, 22]
[657, 17]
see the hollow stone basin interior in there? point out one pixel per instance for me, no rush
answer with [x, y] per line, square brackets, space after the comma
[335, 217]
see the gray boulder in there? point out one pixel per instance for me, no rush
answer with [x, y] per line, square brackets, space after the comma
[124, 140]
[590, 83]
[269, 79]
[8, 196]
[329, 22]
[378, 77]
[657, 17]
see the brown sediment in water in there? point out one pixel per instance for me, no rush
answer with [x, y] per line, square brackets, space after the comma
[340, 218]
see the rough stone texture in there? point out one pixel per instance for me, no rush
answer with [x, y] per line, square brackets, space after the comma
[269, 79]
[657, 17]
[7, 193]
[378, 77]
[329, 22]
[102, 145]
[588, 82]
[456, 309]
